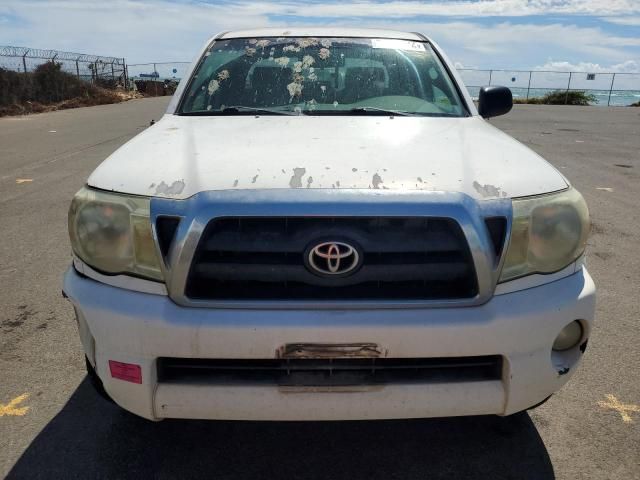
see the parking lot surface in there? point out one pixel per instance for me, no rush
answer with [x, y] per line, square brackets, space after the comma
[52, 425]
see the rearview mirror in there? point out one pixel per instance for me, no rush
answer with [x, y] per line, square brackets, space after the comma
[494, 101]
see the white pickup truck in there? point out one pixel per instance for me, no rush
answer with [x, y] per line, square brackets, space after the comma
[323, 226]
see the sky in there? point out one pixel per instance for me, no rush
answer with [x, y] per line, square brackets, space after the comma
[581, 35]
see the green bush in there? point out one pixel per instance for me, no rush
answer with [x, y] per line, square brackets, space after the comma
[562, 97]
[12, 87]
[54, 85]
[47, 85]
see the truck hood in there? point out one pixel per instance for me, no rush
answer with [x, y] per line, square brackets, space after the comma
[181, 156]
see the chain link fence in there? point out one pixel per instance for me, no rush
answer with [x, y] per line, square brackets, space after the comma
[615, 89]
[91, 68]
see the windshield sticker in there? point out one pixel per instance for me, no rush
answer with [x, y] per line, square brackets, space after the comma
[398, 44]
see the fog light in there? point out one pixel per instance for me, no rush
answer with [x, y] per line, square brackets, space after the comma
[568, 337]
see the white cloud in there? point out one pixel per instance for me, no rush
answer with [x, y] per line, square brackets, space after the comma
[163, 30]
[140, 30]
[457, 8]
[630, 21]
[630, 66]
[492, 44]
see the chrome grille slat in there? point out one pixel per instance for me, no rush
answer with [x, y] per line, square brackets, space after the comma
[268, 242]
[272, 273]
[263, 258]
[197, 212]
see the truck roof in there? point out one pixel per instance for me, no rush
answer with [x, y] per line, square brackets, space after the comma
[322, 32]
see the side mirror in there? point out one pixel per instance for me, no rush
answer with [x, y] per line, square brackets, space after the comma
[494, 101]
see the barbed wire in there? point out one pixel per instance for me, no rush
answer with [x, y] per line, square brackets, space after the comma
[10, 51]
[85, 66]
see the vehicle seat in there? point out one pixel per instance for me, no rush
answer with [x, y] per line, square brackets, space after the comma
[362, 82]
[269, 86]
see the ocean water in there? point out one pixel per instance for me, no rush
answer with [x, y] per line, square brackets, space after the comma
[618, 97]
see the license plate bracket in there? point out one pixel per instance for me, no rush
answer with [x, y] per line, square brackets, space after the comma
[329, 350]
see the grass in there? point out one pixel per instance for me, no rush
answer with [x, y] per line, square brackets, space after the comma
[49, 88]
[560, 97]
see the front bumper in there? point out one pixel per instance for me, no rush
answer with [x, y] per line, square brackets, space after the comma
[133, 327]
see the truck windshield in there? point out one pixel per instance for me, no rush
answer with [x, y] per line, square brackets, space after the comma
[321, 76]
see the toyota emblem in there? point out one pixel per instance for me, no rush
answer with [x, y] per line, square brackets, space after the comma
[333, 258]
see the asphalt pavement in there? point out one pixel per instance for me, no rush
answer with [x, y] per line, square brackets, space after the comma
[52, 425]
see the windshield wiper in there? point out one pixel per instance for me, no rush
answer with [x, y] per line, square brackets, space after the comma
[239, 109]
[242, 108]
[381, 111]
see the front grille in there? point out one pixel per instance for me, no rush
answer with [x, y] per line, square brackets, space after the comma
[259, 258]
[328, 372]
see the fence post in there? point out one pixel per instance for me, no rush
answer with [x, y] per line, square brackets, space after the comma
[113, 72]
[611, 89]
[24, 61]
[77, 68]
[490, 75]
[529, 85]
[125, 72]
[566, 97]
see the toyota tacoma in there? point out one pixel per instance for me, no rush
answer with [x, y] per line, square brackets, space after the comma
[323, 226]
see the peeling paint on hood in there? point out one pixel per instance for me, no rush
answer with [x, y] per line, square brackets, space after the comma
[167, 190]
[465, 155]
[296, 179]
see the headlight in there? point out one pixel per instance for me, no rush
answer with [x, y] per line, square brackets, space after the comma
[547, 234]
[112, 233]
